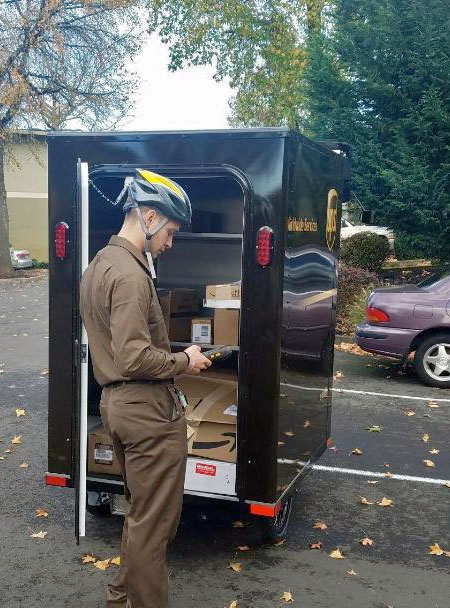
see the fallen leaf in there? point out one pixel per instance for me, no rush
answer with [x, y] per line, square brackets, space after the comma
[425, 437]
[338, 375]
[115, 560]
[289, 434]
[102, 564]
[374, 428]
[87, 559]
[234, 605]
[317, 545]
[447, 553]
[374, 482]
[364, 501]
[352, 572]
[385, 502]
[41, 513]
[281, 443]
[306, 424]
[20, 412]
[429, 463]
[433, 451]
[388, 474]
[357, 451]
[446, 484]
[7, 452]
[2, 458]
[44, 372]
[410, 413]
[435, 550]
[16, 440]
[24, 465]
[432, 404]
[40, 534]
[366, 541]
[279, 543]
[235, 566]
[283, 395]
[386, 464]
[243, 548]
[287, 596]
[324, 395]
[336, 554]
[320, 525]
[238, 524]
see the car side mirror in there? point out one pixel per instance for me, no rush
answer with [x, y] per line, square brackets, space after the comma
[367, 216]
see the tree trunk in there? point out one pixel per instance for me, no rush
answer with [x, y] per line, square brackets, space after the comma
[5, 257]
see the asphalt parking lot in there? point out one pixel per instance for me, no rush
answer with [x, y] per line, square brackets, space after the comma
[396, 570]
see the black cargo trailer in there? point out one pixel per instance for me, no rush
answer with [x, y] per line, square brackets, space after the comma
[266, 212]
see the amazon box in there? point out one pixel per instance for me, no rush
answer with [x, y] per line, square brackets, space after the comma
[211, 416]
[223, 296]
[179, 301]
[226, 327]
[101, 457]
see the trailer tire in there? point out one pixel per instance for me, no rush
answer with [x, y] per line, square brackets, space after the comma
[274, 529]
[98, 504]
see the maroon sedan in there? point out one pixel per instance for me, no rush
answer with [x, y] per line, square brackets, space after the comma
[412, 318]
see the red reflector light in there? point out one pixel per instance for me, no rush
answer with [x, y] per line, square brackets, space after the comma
[376, 315]
[264, 246]
[265, 510]
[61, 234]
[55, 480]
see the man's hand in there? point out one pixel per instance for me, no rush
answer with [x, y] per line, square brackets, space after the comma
[197, 362]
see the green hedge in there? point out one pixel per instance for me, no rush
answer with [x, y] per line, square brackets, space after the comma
[365, 250]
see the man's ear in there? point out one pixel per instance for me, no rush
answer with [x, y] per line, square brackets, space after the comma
[149, 216]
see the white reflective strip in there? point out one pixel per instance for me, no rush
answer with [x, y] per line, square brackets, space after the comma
[362, 473]
[84, 177]
[354, 392]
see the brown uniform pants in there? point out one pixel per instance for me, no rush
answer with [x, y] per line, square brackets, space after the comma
[151, 449]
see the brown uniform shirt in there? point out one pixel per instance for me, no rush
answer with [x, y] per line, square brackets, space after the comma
[123, 319]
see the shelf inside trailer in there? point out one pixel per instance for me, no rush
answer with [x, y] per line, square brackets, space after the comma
[177, 346]
[208, 235]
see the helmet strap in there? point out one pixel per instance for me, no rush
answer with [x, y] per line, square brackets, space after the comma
[148, 237]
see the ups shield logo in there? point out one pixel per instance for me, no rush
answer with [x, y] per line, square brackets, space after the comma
[331, 217]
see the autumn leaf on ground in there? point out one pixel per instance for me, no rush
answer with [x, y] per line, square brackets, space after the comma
[41, 513]
[283, 395]
[363, 500]
[446, 484]
[7, 452]
[287, 596]
[115, 561]
[289, 434]
[20, 412]
[429, 463]
[435, 550]
[24, 465]
[385, 502]
[44, 372]
[374, 482]
[388, 474]
[234, 605]
[357, 451]
[87, 559]
[281, 443]
[306, 424]
[235, 566]
[352, 572]
[16, 440]
[238, 524]
[338, 375]
[410, 413]
[432, 404]
[40, 534]
[320, 525]
[336, 554]
[243, 548]
[317, 545]
[433, 451]
[375, 428]
[425, 437]
[102, 564]
[2, 458]
[366, 542]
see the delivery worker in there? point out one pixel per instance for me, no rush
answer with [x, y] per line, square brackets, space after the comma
[141, 407]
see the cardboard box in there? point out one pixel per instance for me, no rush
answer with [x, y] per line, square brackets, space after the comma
[201, 331]
[226, 327]
[179, 329]
[101, 457]
[179, 301]
[223, 296]
[211, 417]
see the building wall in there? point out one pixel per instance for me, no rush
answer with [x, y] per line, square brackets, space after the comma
[26, 196]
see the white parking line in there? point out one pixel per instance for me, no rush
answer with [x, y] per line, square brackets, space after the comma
[362, 473]
[354, 392]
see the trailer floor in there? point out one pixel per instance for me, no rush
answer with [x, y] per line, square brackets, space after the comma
[395, 571]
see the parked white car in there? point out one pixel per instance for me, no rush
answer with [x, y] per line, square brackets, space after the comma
[349, 229]
[20, 258]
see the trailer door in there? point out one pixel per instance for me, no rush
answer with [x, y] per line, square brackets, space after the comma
[80, 451]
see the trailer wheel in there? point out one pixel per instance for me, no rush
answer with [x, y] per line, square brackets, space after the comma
[98, 504]
[274, 529]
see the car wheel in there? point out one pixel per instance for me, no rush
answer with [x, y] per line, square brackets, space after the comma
[432, 360]
[274, 529]
[98, 504]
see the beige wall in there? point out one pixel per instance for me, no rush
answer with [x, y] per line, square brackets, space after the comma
[26, 196]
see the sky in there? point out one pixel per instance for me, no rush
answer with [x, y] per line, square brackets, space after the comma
[183, 100]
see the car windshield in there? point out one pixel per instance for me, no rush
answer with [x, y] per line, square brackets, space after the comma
[435, 278]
